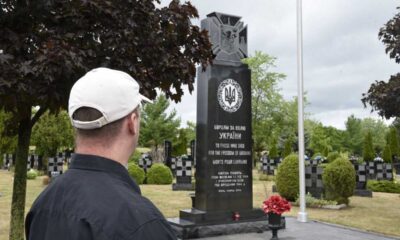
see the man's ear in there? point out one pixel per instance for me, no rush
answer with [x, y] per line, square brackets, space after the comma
[133, 121]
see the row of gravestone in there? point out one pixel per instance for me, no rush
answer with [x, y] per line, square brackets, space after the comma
[364, 172]
[181, 168]
[54, 164]
[376, 170]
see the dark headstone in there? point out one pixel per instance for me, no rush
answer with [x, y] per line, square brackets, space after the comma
[384, 171]
[145, 161]
[167, 153]
[8, 160]
[173, 165]
[268, 165]
[28, 162]
[55, 166]
[361, 175]
[371, 171]
[183, 174]
[223, 131]
[314, 184]
[396, 167]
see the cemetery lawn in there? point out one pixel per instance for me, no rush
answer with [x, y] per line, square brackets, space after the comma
[378, 214]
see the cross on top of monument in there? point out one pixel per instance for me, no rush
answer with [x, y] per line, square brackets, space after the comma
[228, 36]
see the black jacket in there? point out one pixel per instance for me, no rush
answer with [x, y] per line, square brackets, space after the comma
[95, 199]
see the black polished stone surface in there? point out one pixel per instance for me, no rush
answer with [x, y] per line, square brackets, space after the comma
[223, 144]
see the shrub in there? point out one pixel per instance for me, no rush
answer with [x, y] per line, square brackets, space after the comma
[31, 174]
[339, 180]
[159, 174]
[383, 186]
[136, 172]
[332, 156]
[287, 177]
[315, 202]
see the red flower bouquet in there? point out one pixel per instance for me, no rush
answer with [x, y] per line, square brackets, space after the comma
[276, 204]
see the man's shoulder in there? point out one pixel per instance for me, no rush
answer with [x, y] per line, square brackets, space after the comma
[106, 202]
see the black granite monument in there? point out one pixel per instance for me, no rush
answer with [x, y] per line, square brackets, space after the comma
[223, 202]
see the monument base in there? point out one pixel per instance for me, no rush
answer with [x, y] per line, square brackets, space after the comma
[194, 223]
[362, 193]
[182, 187]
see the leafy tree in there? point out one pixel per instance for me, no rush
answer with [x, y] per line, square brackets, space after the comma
[266, 99]
[287, 150]
[273, 152]
[180, 143]
[394, 142]
[191, 130]
[51, 133]
[336, 137]
[157, 125]
[45, 46]
[383, 96]
[387, 154]
[353, 135]
[8, 143]
[368, 150]
[378, 129]
[319, 140]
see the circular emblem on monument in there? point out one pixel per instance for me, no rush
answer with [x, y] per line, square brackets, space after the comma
[230, 95]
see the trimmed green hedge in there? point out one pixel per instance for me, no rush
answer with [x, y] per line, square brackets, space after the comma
[159, 174]
[339, 180]
[136, 172]
[383, 186]
[287, 177]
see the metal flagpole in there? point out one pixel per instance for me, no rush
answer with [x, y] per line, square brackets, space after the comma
[302, 215]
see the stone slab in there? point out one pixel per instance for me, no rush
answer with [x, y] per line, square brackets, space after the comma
[311, 230]
[182, 187]
[189, 230]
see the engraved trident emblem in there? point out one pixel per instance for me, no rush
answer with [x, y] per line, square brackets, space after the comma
[230, 95]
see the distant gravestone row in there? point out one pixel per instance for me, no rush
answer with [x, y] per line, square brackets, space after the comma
[364, 172]
[54, 164]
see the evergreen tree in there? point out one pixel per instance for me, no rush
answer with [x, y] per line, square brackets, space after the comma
[368, 151]
[157, 125]
[387, 154]
[394, 142]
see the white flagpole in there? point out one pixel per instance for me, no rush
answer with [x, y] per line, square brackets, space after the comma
[302, 215]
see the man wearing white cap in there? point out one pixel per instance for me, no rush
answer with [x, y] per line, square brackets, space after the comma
[96, 198]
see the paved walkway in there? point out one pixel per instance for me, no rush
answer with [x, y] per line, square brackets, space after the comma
[308, 231]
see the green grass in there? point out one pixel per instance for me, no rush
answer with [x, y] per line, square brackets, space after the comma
[378, 214]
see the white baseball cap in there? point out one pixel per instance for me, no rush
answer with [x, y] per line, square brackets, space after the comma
[114, 93]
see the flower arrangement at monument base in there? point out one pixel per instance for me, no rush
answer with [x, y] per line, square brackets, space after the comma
[275, 206]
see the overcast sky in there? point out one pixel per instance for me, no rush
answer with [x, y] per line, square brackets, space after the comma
[342, 52]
